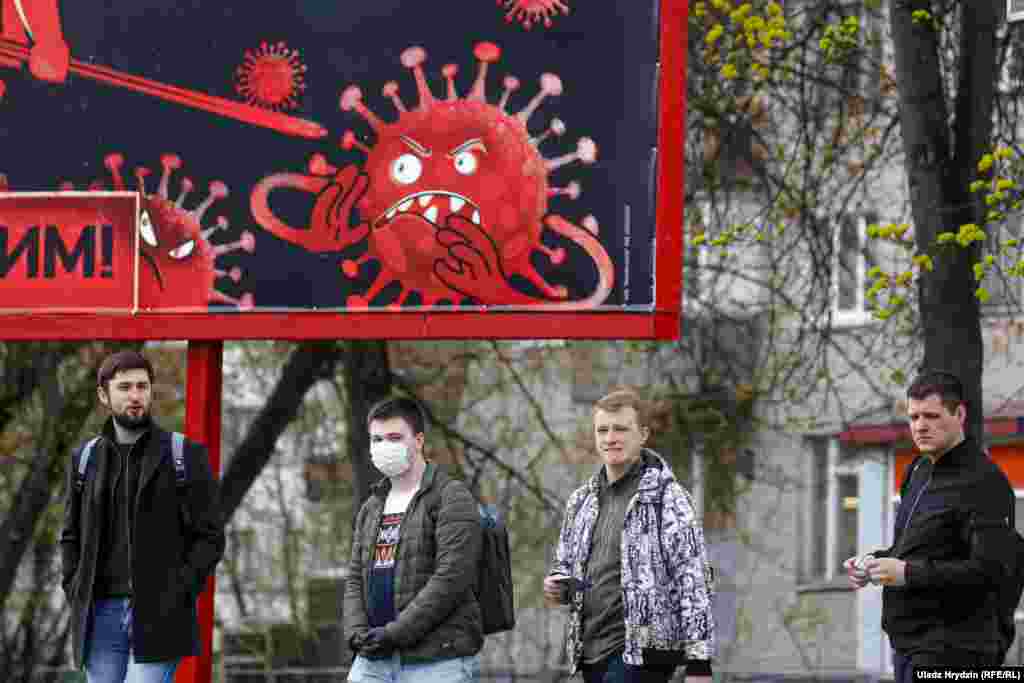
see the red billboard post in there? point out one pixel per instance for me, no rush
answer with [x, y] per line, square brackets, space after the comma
[449, 170]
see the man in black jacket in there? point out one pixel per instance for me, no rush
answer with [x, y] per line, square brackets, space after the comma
[942, 574]
[136, 548]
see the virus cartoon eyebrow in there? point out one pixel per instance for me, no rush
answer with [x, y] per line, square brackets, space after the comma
[416, 147]
[475, 143]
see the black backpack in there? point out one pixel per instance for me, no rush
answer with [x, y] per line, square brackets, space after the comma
[493, 588]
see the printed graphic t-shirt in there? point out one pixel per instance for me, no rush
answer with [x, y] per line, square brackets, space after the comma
[381, 607]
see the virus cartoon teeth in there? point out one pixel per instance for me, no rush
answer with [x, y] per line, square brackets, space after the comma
[453, 196]
[174, 244]
[530, 12]
[272, 77]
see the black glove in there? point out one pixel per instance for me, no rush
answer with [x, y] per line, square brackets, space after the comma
[377, 644]
[356, 640]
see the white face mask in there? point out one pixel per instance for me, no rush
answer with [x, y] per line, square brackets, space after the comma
[392, 459]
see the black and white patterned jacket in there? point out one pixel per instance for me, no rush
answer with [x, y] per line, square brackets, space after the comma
[667, 581]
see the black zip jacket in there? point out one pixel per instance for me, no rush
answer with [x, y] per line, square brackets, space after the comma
[952, 534]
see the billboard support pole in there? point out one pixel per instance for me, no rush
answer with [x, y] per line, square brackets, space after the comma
[203, 423]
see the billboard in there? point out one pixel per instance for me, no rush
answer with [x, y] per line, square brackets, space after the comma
[385, 169]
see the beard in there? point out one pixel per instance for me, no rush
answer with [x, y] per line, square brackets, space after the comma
[125, 421]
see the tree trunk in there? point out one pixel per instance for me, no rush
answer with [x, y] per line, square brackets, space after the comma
[67, 411]
[367, 380]
[309, 363]
[940, 164]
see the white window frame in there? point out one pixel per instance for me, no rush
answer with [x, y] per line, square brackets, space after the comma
[859, 314]
[833, 471]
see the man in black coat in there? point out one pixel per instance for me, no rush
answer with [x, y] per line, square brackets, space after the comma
[136, 547]
[941, 577]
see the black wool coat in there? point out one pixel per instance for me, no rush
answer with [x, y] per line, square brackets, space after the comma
[170, 563]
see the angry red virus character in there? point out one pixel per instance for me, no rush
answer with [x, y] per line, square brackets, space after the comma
[452, 199]
[175, 245]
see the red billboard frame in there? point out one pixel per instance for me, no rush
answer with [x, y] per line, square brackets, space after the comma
[662, 321]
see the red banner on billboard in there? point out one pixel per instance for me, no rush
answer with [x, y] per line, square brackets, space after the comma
[68, 252]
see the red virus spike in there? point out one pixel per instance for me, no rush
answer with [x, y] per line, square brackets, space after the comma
[180, 271]
[96, 186]
[529, 12]
[349, 140]
[550, 84]
[141, 173]
[449, 71]
[511, 84]
[390, 90]
[572, 191]
[221, 226]
[186, 188]
[114, 163]
[218, 190]
[170, 163]
[556, 128]
[318, 165]
[65, 186]
[247, 243]
[486, 53]
[413, 58]
[586, 153]
[352, 98]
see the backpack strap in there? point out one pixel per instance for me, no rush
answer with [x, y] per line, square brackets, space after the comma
[181, 477]
[178, 458]
[83, 463]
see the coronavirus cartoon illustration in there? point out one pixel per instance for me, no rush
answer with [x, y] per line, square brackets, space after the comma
[178, 268]
[453, 198]
[530, 12]
[272, 76]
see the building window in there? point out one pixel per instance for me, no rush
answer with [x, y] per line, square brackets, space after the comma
[831, 503]
[854, 254]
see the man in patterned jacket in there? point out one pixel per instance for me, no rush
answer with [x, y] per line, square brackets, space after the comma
[631, 562]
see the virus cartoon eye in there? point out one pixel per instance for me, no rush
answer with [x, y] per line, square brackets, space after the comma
[406, 169]
[146, 229]
[466, 163]
[183, 250]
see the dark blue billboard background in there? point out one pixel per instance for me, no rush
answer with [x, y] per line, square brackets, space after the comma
[604, 54]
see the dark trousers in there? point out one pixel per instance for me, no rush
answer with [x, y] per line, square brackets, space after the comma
[903, 663]
[613, 670]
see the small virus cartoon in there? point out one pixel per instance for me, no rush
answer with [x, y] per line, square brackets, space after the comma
[272, 77]
[453, 196]
[530, 12]
[175, 245]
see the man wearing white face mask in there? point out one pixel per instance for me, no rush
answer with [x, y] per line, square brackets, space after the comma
[410, 608]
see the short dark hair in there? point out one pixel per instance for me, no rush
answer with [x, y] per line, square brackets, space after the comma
[398, 406]
[121, 362]
[624, 397]
[946, 385]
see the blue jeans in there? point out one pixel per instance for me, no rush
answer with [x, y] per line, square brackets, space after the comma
[613, 670]
[109, 657]
[391, 670]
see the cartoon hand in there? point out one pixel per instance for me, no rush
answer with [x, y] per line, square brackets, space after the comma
[328, 228]
[330, 220]
[472, 264]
